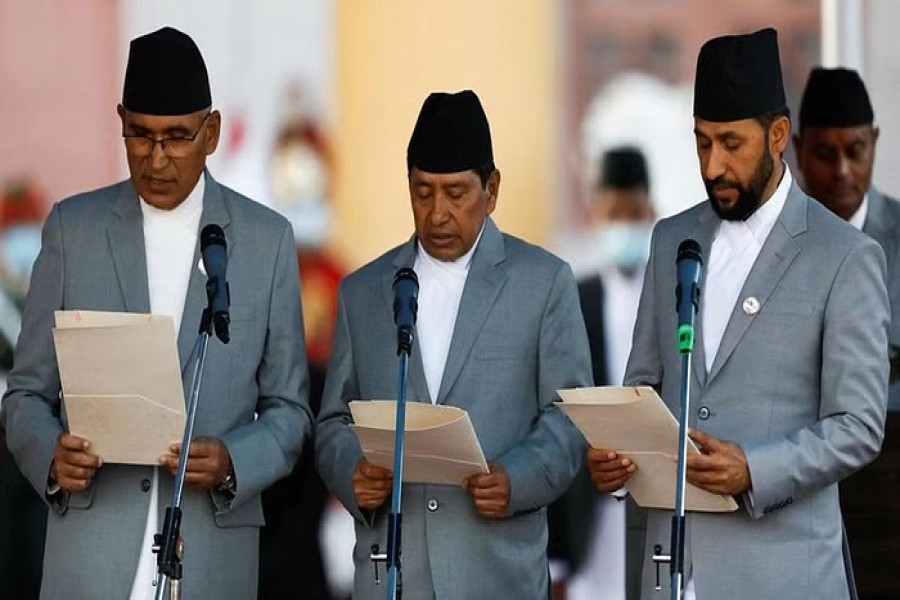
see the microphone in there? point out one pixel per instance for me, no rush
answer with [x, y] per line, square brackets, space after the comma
[687, 292]
[215, 259]
[406, 305]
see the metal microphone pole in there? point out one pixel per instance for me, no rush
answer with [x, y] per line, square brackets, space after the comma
[676, 566]
[395, 582]
[168, 546]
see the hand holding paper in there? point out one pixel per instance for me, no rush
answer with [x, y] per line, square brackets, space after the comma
[121, 383]
[440, 445]
[74, 465]
[636, 425]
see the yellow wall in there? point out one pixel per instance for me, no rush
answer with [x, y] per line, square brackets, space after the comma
[389, 55]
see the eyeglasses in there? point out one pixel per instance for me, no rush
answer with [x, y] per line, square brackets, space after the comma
[179, 146]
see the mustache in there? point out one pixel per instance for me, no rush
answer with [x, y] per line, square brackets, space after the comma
[722, 183]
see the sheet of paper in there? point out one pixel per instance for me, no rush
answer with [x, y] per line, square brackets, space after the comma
[439, 445]
[636, 423]
[121, 383]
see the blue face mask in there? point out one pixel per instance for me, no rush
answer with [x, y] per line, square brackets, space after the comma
[20, 246]
[624, 245]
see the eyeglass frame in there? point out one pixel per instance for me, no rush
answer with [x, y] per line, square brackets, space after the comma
[162, 141]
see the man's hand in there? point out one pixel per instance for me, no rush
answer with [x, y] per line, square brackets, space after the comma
[73, 466]
[608, 470]
[490, 492]
[371, 484]
[207, 466]
[721, 468]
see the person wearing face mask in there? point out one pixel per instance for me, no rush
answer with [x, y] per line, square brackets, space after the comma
[836, 154]
[597, 540]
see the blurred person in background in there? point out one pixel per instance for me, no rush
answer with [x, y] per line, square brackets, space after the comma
[789, 380]
[600, 538]
[23, 514]
[133, 246]
[836, 153]
[498, 333]
[290, 552]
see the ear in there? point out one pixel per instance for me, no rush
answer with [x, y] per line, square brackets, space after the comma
[213, 130]
[493, 190]
[779, 135]
[120, 110]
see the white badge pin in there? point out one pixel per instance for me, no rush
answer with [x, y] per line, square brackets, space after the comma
[751, 306]
[200, 266]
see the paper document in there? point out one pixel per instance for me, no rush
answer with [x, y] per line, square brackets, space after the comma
[440, 445]
[121, 383]
[635, 422]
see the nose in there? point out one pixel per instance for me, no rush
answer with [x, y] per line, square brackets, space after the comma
[158, 158]
[714, 166]
[843, 167]
[440, 213]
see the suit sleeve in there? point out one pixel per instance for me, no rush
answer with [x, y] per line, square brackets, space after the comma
[31, 405]
[337, 448]
[853, 392]
[541, 467]
[266, 449]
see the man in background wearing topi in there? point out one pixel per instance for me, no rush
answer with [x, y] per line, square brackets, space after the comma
[601, 538]
[133, 247]
[789, 379]
[498, 332]
[836, 153]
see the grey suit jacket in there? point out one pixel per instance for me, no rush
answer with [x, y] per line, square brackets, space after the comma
[519, 337]
[883, 224]
[253, 398]
[801, 385]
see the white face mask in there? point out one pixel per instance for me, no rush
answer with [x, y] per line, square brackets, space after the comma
[624, 245]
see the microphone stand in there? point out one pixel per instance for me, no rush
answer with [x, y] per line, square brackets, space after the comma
[392, 556]
[169, 545]
[676, 564]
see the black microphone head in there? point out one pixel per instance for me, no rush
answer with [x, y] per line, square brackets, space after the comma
[689, 250]
[211, 234]
[406, 305]
[215, 262]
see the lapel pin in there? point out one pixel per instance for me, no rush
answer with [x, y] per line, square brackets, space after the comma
[751, 306]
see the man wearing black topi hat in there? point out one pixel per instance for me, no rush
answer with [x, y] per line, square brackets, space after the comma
[498, 332]
[133, 247]
[836, 153]
[789, 378]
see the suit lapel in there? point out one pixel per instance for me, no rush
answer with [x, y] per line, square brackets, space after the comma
[214, 211]
[483, 284]
[406, 257]
[777, 254]
[126, 244]
[703, 233]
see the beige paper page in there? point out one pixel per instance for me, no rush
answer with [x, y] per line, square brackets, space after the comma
[121, 383]
[636, 423]
[439, 446]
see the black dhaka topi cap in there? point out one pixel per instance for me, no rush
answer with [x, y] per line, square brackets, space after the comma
[451, 135]
[739, 77]
[624, 168]
[165, 75]
[835, 98]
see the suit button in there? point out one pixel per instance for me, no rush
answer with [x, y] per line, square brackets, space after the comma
[703, 413]
[145, 485]
[432, 505]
